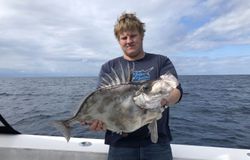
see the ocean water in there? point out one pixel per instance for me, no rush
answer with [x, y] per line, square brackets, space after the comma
[214, 111]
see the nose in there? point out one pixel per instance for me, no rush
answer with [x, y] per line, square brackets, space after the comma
[129, 39]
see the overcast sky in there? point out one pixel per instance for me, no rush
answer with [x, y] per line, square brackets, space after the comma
[74, 37]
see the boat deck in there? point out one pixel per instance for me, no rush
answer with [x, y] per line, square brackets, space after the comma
[30, 147]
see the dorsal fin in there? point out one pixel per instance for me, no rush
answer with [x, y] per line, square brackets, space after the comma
[130, 71]
[117, 78]
[123, 76]
[120, 75]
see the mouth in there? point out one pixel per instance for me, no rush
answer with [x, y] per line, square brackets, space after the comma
[130, 46]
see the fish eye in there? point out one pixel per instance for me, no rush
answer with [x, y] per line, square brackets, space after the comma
[146, 88]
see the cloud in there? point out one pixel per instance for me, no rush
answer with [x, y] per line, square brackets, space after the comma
[230, 26]
[206, 65]
[72, 36]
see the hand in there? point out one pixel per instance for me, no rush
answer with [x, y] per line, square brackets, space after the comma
[172, 98]
[95, 125]
[164, 102]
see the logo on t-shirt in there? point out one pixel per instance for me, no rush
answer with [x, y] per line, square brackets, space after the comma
[141, 75]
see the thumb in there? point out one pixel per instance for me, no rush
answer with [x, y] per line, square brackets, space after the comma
[164, 102]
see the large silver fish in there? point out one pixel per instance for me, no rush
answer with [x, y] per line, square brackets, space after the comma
[122, 106]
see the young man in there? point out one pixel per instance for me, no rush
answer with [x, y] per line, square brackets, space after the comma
[129, 31]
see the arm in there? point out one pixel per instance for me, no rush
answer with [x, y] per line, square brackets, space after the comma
[173, 98]
[176, 95]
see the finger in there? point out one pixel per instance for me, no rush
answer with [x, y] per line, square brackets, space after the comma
[104, 127]
[94, 125]
[164, 102]
[99, 126]
[89, 122]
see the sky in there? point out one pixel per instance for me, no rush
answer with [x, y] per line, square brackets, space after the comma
[75, 37]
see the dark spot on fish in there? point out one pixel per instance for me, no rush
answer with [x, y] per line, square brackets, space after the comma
[107, 100]
[101, 109]
[88, 117]
[131, 110]
[119, 122]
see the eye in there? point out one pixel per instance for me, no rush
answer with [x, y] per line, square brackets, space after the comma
[146, 88]
[133, 35]
[123, 38]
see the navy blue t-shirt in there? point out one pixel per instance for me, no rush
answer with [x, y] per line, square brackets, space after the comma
[150, 67]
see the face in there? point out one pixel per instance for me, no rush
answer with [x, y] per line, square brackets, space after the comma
[131, 44]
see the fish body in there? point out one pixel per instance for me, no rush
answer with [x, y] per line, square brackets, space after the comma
[123, 108]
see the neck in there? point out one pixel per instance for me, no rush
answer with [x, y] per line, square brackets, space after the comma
[134, 58]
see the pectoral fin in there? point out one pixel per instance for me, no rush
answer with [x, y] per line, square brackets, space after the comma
[153, 131]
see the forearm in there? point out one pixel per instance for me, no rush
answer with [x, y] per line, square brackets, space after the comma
[173, 97]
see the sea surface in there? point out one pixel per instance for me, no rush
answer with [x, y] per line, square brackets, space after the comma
[214, 110]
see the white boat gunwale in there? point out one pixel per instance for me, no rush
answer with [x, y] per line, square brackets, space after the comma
[22, 146]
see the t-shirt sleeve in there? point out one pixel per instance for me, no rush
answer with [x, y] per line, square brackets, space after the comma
[167, 66]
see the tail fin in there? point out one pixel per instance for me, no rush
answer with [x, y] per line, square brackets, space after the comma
[64, 127]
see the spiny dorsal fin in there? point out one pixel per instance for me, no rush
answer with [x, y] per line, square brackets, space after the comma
[117, 76]
[123, 76]
[130, 71]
